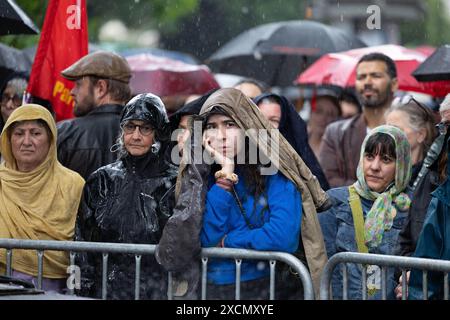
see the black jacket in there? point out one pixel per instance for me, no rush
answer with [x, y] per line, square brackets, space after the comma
[128, 201]
[408, 237]
[84, 143]
[410, 233]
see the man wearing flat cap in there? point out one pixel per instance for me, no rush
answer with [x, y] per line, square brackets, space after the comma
[101, 90]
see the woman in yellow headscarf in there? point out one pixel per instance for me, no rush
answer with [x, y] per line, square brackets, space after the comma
[38, 196]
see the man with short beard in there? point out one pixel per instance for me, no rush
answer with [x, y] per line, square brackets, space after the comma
[101, 90]
[376, 83]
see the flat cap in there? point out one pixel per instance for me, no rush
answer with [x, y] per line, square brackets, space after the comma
[102, 64]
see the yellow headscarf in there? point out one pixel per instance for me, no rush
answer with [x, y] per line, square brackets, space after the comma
[39, 205]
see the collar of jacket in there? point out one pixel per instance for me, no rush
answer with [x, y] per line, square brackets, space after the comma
[107, 108]
[147, 166]
[443, 192]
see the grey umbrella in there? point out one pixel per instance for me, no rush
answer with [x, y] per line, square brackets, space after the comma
[12, 59]
[436, 67]
[276, 52]
[14, 21]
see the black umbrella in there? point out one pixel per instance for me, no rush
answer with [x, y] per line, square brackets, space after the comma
[277, 52]
[12, 59]
[436, 67]
[13, 20]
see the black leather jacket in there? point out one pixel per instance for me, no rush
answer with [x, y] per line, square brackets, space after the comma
[408, 237]
[128, 201]
[84, 143]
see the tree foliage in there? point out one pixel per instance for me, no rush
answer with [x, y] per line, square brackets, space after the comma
[137, 14]
[216, 22]
[434, 30]
[201, 26]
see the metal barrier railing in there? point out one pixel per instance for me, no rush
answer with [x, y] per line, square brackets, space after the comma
[400, 262]
[141, 249]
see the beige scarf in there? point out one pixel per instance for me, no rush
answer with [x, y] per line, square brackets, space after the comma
[37, 205]
[247, 116]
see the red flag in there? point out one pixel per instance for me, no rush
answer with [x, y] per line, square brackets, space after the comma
[63, 41]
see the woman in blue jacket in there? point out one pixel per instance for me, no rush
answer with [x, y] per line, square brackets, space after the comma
[244, 209]
[368, 215]
[257, 194]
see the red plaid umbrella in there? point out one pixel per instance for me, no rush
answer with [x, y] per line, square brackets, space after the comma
[167, 77]
[340, 69]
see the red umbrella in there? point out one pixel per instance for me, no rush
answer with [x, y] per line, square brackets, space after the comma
[167, 77]
[340, 69]
[427, 50]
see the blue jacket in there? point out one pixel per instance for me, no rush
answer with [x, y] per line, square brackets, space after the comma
[277, 230]
[339, 235]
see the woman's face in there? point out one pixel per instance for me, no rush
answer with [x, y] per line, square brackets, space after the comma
[325, 113]
[400, 120]
[138, 137]
[11, 100]
[348, 109]
[30, 143]
[224, 135]
[272, 112]
[379, 171]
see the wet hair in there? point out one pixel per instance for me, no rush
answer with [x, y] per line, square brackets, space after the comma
[214, 110]
[348, 95]
[269, 99]
[333, 99]
[18, 84]
[19, 80]
[381, 144]
[118, 90]
[260, 84]
[419, 117]
[378, 56]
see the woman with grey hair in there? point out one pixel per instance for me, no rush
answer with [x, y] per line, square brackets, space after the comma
[433, 174]
[12, 90]
[129, 201]
[418, 123]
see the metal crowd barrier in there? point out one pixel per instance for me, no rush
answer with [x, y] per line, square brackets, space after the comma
[385, 261]
[141, 249]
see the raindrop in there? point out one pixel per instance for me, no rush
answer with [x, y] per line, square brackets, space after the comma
[168, 184]
[262, 202]
[261, 265]
[257, 55]
[137, 1]
[245, 10]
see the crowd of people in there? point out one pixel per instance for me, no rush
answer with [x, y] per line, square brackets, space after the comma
[368, 172]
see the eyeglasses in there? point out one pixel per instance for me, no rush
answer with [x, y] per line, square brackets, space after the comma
[16, 99]
[144, 129]
[407, 99]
